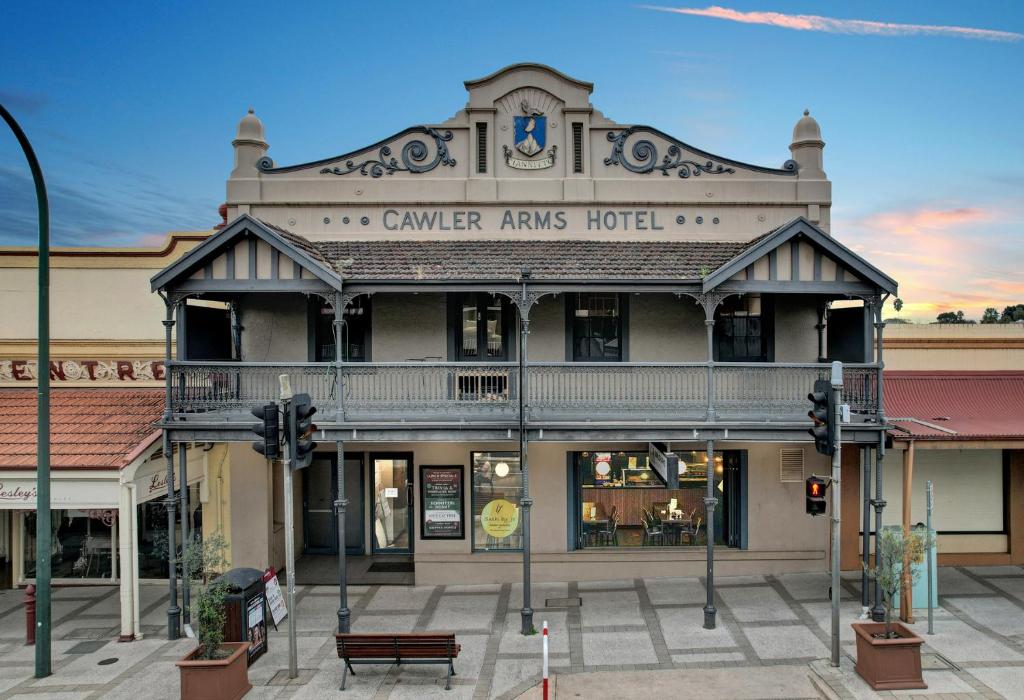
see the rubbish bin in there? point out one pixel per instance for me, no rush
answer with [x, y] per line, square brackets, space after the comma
[245, 609]
[919, 592]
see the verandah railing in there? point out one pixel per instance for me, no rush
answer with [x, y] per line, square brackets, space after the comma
[450, 391]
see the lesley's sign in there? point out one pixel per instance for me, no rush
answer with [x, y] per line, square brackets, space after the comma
[17, 494]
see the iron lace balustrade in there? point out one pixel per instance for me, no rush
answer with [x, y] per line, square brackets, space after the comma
[430, 391]
[610, 390]
[203, 387]
[752, 391]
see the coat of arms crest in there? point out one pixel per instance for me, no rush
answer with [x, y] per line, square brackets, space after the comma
[530, 137]
[530, 130]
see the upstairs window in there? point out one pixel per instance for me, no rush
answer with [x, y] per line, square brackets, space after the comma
[596, 324]
[355, 331]
[743, 329]
[479, 327]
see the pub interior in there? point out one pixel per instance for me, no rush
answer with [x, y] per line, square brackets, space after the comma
[626, 503]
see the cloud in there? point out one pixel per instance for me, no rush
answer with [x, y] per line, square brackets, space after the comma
[832, 25]
[85, 216]
[910, 222]
[945, 258]
[23, 101]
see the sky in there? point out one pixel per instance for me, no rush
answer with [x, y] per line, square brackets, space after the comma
[131, 107]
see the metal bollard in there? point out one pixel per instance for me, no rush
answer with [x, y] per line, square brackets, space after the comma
[30, 615]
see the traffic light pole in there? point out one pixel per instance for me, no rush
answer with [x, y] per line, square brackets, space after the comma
[837, 398]
[289, 523]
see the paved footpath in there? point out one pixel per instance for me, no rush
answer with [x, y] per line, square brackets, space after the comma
[629, 638]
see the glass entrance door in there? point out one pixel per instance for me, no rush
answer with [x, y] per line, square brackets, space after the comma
[320, 523]
[392, 502]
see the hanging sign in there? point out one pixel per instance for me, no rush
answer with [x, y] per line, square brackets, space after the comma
[499, 518]
[275, 598]
[441, 503]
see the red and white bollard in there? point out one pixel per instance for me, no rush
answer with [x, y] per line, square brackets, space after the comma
[545, 681]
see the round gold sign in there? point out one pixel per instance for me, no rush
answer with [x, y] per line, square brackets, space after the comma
[499, 518]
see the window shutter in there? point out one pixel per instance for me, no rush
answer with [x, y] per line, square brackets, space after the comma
[481, 147]
[577, 147]
[791, 464]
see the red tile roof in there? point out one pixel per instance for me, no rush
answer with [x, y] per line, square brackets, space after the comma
[89, 429]
[975, 405]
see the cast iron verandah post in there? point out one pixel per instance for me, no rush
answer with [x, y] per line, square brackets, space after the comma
[709, 302]
[524, 446]
[170, 502]
[875, 305]
[341, 503]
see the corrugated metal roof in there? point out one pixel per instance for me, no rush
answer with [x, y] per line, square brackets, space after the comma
[975, 405]
[89, 428]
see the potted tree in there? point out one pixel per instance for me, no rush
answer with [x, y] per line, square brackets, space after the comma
[215, 669]
[889, 653]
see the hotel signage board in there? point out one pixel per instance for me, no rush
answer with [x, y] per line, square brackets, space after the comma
[442, 511]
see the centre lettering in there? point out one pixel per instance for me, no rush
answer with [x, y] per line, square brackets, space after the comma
[520, 220]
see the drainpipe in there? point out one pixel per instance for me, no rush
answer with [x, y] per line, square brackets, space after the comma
[820, 327]
[710, 501]
[173, 611]
[524, 446]
[340, 502]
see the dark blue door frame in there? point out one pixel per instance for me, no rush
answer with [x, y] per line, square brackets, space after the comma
[355, 501]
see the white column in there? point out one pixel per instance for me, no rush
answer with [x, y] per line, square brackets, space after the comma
[129, 584]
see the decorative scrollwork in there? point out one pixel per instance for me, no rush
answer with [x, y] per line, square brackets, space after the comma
[414, 158]
[646, 155]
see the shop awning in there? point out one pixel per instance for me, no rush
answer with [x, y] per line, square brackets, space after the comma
[958, 406]
[89, 429]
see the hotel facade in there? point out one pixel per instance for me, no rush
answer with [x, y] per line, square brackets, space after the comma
[528, 313]
[530, 270]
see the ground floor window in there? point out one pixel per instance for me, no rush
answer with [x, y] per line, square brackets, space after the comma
[623, 502]
[152, 519]
[497, 497]
[81, 543]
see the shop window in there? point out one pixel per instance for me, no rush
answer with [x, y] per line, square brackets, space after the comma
[596, 324]
[355, 331]
[497, 496]
[152, 534]
[623, 502]
[743, 329]
[81, 543]
[479, 327]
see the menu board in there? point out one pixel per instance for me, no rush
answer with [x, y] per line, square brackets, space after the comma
[275, 599]
[442, 515]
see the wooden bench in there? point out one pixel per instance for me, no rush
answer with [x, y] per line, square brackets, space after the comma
[404, 648]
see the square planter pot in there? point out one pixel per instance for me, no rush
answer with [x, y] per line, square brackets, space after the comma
[217, 679]
[888, 664]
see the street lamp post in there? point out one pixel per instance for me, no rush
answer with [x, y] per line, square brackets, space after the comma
[43, 537]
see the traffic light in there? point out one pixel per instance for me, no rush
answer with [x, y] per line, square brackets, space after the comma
[815, 496]
[824, 416]
[300, 431]
[267, 429]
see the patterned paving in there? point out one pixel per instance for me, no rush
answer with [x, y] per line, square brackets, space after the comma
[622, 626]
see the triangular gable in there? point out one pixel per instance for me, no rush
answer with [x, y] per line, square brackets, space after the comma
[249, 255]
[800, 256]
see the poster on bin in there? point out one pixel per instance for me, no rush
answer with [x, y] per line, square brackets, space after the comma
[275, 598]
[256, 626]
[441, 503]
